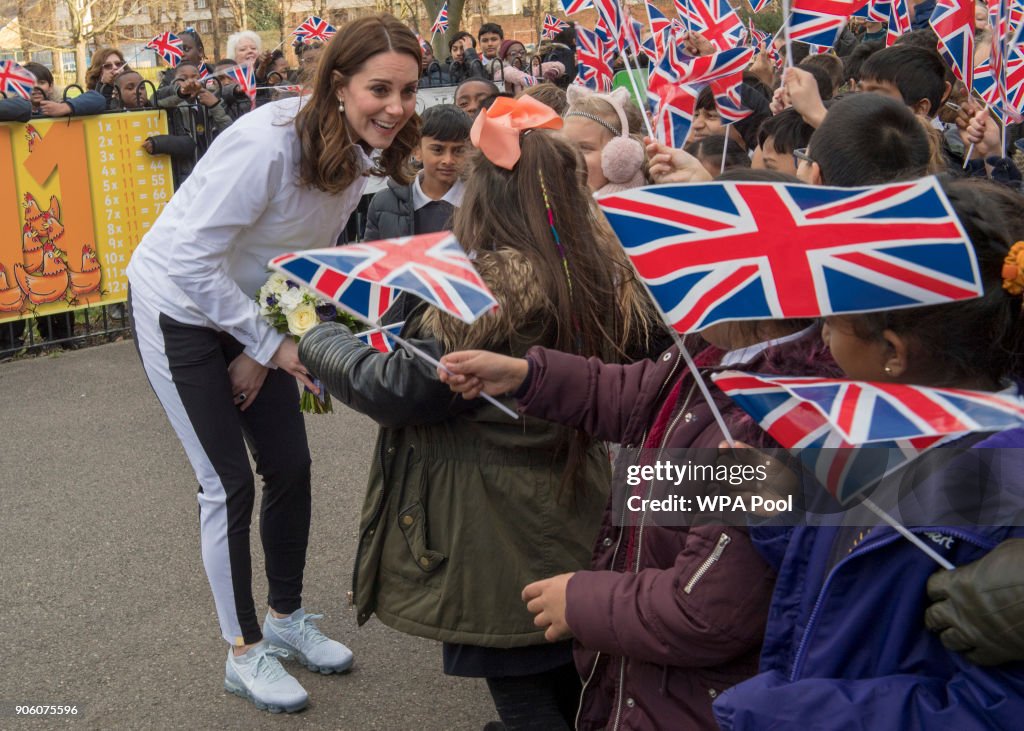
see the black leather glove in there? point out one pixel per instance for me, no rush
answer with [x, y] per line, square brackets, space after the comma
[979, 608]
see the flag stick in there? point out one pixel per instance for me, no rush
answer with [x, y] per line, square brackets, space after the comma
[436, 363]
[785, 32]
[640, 100]
[903, 531]
[725, 149]
[699, 379]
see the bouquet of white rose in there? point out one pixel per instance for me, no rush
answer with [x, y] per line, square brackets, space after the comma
[292, 308]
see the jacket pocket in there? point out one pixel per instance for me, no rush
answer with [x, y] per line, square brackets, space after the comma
[412, 521]
[708, 563]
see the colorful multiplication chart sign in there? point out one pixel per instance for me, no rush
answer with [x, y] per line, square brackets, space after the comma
[76, 197]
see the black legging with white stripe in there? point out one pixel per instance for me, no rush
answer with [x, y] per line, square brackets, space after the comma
[187, 366]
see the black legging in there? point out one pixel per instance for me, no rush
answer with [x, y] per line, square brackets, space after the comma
[543, 702]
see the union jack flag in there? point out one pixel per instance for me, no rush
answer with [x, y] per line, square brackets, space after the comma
[378, 336]
[572, 7]
[715, 252]
[1015, 83]
[899, 21]
[168, 47]
[16, 80]
[757, 6]
[245, 77]
[431, 266]
[552, 26]
[714, 19]
[613, 22]
[757, 38]
[877, 11]
[441, 24]
[314, 29]
[660, 27]
[700, 69]
[953, 23]
[839, 465]
[675, 115]
[204, 71]
[819, 21]
[592, 64]
[728, 100]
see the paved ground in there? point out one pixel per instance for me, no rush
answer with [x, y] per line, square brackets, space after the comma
[104, 599]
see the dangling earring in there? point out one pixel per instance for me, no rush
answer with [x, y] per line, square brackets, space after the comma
[341, 106]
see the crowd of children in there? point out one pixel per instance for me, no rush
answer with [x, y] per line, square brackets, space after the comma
[497, 538]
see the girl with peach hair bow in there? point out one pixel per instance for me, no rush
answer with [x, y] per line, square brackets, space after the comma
[466, 506]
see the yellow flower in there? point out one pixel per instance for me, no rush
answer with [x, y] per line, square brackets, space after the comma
[301, 320]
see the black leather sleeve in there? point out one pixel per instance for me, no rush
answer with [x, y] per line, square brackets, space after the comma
[394, 389]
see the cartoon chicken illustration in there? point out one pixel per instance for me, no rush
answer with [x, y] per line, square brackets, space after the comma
[87, 280]
[11, 298]
[31, 249]
[33, 136]
[51, 284]
[33, 214]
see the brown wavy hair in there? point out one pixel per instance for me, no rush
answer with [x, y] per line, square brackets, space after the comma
[600, 309]
[95, 70]
[329, 159]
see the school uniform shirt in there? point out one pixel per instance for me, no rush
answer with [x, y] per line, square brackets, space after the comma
[206, 256]
[430, 215]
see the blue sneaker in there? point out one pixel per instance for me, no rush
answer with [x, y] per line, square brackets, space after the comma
[306, 643]
[258, 676]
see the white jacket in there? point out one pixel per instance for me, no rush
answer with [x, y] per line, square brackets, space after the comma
[206, 256]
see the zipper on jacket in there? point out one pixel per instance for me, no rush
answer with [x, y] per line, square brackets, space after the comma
[679, 357]
[640, 537]
[723, 541]
[579, 707]
[798, 658]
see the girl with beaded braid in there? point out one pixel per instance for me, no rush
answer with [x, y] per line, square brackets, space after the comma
[465, 505]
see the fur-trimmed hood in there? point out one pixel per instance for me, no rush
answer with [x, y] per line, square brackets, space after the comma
[521, 307]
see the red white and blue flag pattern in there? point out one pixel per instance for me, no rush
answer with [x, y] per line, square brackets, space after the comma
[826, 422]
[441, 24]
[899, 21]
[431, 266]
[15, 80]
[953, 23]
[314, 29]
[575, 6]
[168, 47]
[552, 26]
[245, 77]
[593, 67]
[818, 22]
[715, 252]
[714, 19]
[378, 336]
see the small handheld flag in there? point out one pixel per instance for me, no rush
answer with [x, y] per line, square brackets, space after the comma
[715, 252]
[168, 46]
[16, 80]
[314, 29]
[431, 266]
[441, 24]
[552, 26]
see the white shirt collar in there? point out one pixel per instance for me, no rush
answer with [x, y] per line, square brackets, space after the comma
[420, 199]
[739, 356]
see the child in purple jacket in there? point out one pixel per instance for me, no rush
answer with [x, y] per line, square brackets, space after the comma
[846, 644]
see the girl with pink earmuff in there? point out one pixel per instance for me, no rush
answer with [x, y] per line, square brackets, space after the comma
[603, 127]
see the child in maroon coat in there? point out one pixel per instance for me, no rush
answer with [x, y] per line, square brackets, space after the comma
[668, 616]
